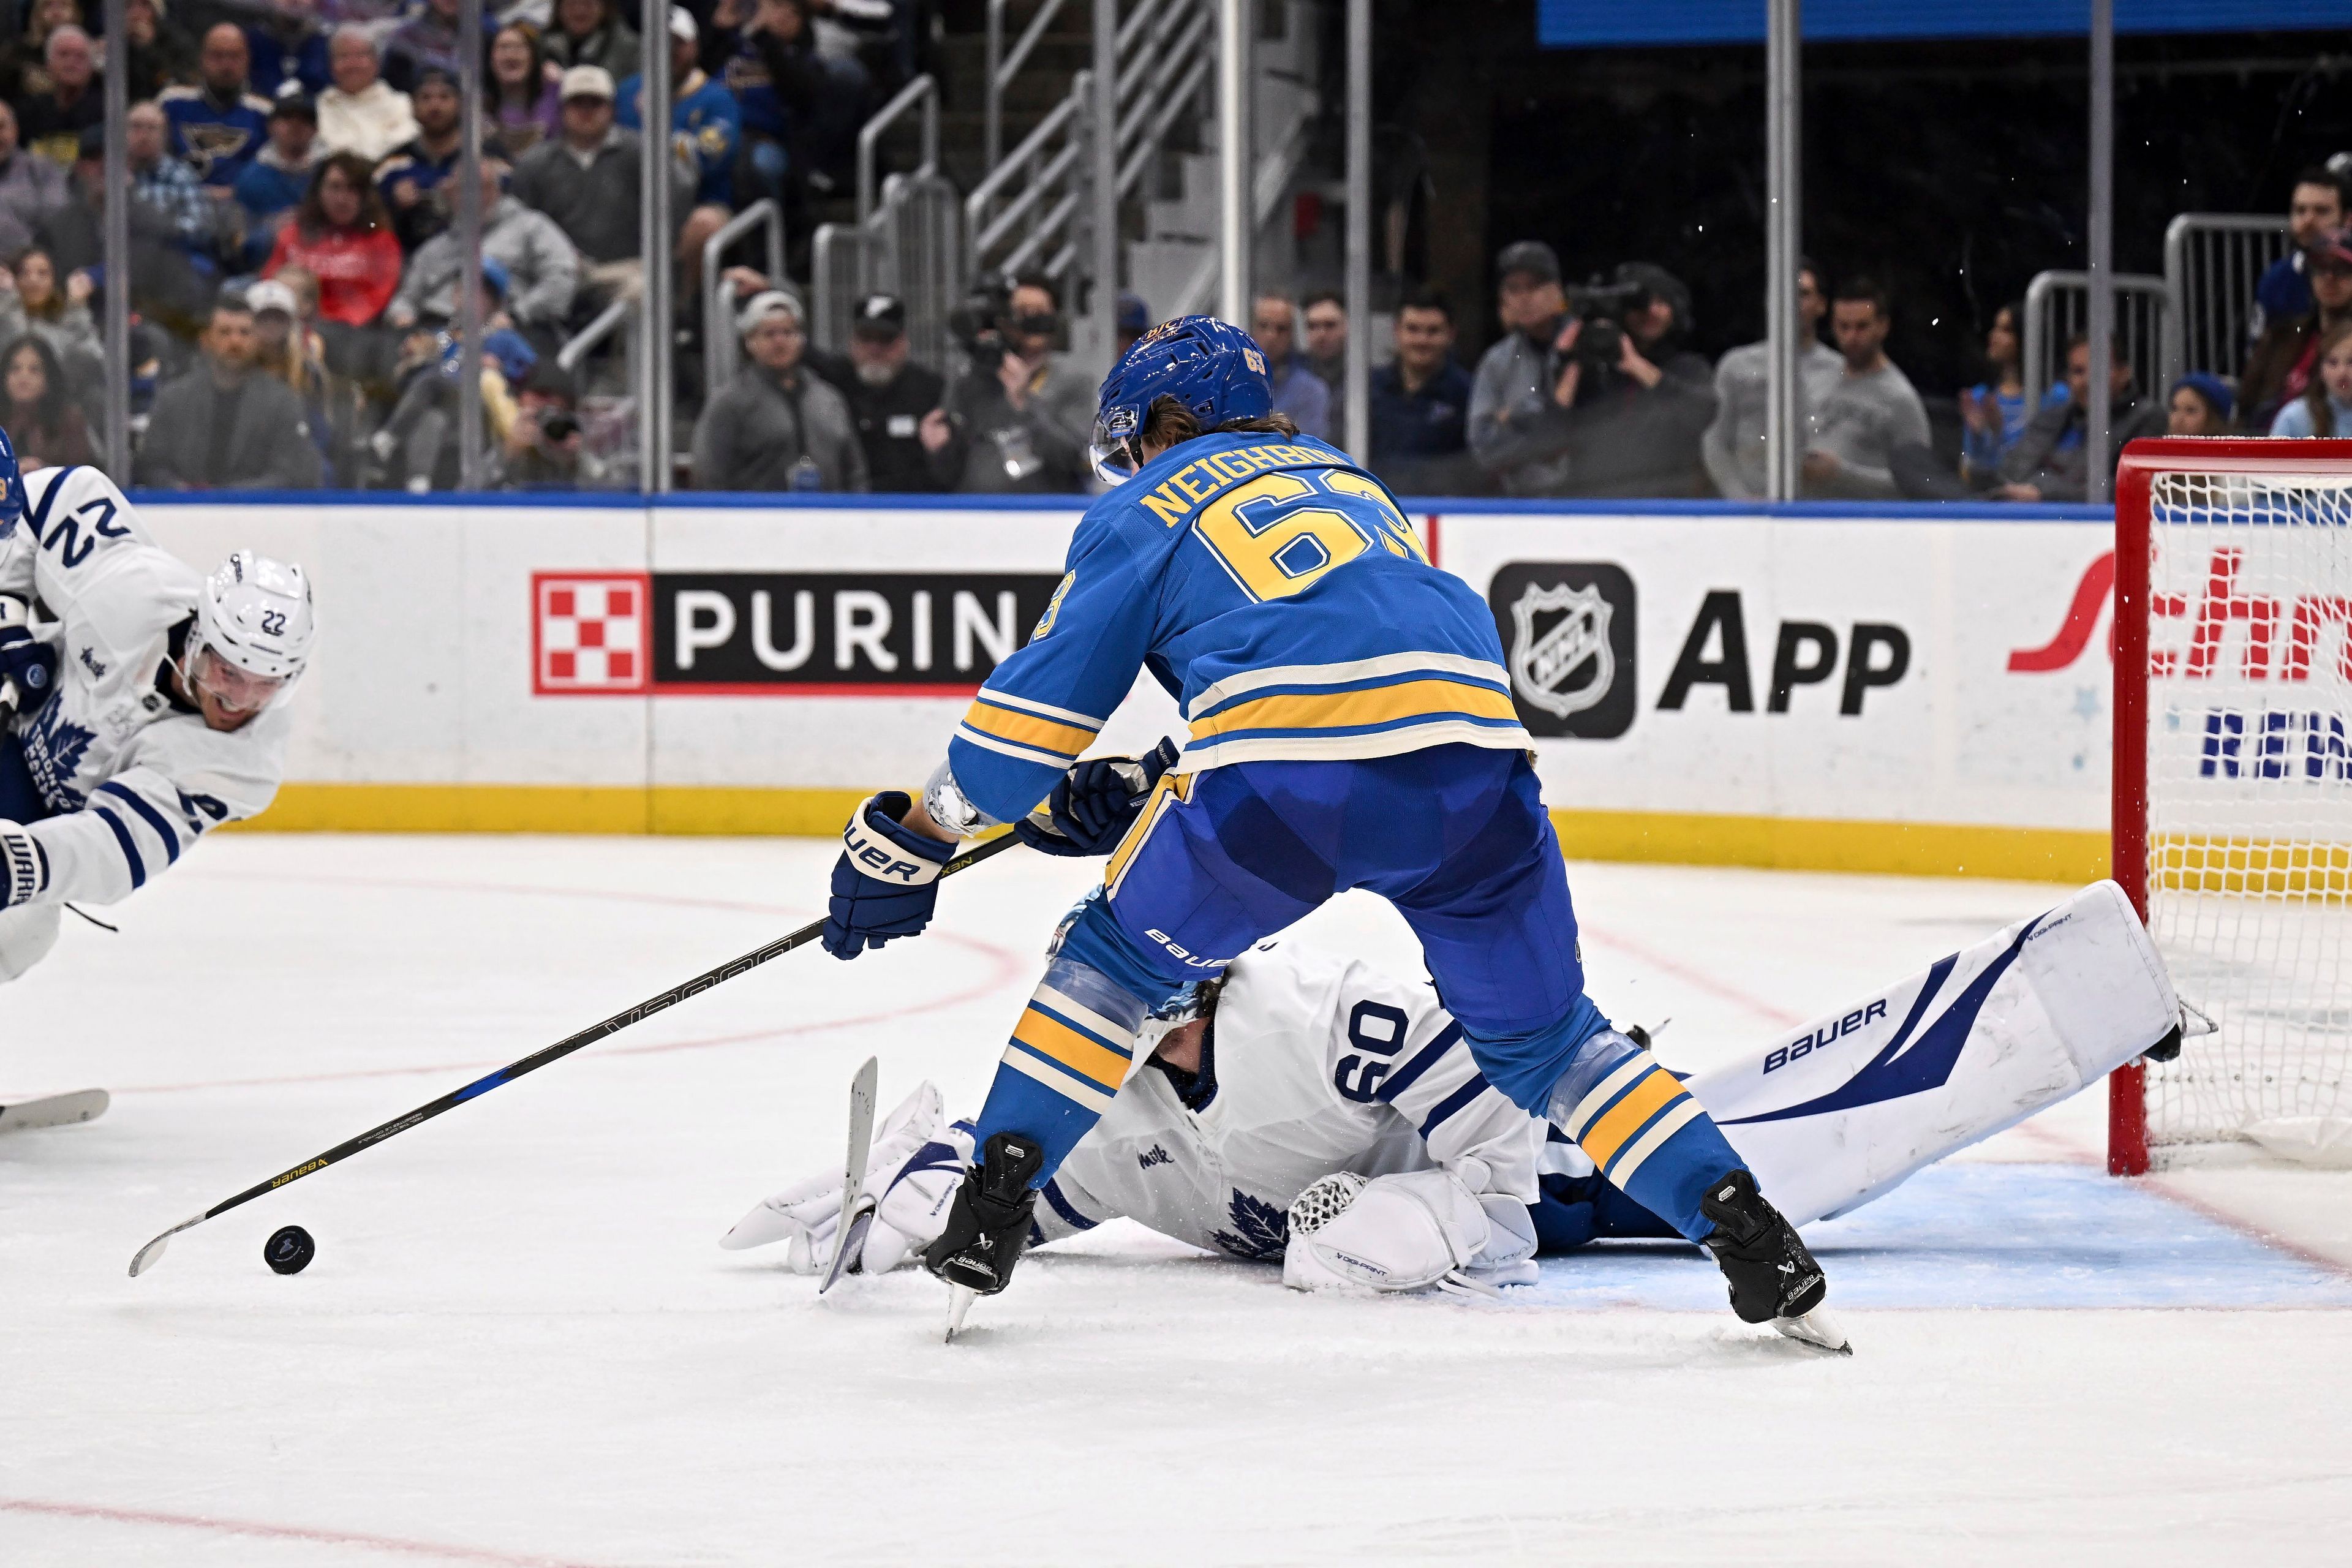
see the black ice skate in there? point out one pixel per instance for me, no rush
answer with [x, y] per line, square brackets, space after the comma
[988, 1224]
[1773, 1278]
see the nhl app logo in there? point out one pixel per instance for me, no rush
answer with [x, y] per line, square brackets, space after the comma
[1569, 627]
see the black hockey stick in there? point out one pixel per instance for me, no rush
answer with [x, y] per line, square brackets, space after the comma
[147, 1255]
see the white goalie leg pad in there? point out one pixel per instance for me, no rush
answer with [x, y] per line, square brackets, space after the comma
[1398, 1232]
[1841, 1112]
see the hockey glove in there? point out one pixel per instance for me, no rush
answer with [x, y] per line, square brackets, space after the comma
[886, 882]
[1096, 802]
[988, 1224]
[24, 865]
[28, 667]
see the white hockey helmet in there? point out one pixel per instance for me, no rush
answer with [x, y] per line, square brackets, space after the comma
[255, 613]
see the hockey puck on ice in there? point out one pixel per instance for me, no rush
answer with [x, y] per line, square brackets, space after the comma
[291, 1250]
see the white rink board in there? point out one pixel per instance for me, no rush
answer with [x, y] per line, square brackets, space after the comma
[425, 670]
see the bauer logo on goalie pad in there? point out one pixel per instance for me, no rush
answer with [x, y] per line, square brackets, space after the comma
[1570, 628]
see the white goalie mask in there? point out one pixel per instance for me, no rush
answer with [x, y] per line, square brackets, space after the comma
[255, 625]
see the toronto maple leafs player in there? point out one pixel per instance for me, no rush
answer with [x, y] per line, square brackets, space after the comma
[1324, 1114]
[1352, 726]
[142, 704]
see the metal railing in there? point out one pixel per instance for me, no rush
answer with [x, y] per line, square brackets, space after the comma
[908, 240]
[618, 315]
[719, 345]
[1003, 67]
[2058, 306]
[2212, 263]
[1035, 198]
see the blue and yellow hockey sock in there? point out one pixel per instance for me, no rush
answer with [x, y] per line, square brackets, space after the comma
[1642, 1130]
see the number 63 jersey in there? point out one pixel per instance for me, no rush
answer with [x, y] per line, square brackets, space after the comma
[1312, 1065]
[1277, 593]
[131, 779]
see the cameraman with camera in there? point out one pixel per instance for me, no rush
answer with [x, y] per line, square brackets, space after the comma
[1020, 419]
[1591, 396]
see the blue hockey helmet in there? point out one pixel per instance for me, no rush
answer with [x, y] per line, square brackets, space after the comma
[1215, 370]
[11, 486]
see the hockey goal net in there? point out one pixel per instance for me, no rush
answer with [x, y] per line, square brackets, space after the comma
[2232, 822]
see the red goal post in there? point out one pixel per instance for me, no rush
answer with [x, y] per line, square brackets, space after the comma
[2229, 832]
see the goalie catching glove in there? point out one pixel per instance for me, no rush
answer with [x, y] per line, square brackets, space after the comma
[1404, 1232]
[1095, 803]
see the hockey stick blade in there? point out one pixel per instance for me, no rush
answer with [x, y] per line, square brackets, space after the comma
[853, 1178]
[146, 1255]
[54, 1110]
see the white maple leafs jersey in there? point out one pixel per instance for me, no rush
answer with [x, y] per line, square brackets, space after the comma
[1319, 1065]
[133, 779]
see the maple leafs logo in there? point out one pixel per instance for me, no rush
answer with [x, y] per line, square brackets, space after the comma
[53, 753]
[1265, 1229]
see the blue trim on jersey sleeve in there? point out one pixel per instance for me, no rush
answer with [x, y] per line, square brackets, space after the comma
[1404, 1077]
[1453, 1104]
[130, 849]
[154, 819]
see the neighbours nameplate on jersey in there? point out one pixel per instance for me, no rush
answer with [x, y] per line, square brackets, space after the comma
[778, 633]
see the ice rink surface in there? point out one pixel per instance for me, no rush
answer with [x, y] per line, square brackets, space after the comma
[520, 1344]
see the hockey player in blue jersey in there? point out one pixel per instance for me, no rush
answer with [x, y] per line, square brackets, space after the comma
[1352, 726]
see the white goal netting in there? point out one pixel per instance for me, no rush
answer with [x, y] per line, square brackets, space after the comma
[2250, 802]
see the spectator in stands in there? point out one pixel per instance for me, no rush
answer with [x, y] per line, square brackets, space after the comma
[341, 236]
[166, 284]
[2050, 462]
[31, 188]
[222, 426]
[777, 425]
[1421, 405]
[1298, 391]
[274, 183]
[24, 56]
[706, 127]
[2315, 207]
[545, 448]
[525, 102]
[284, 348]
[1993, 412]
[1134, 321]
[417, 449]
[1542, 414]
[2199, 405]
[1326, 316]
[200, 223]
[426, 41]
[1734, 447]
[592, 33]
[1873, 409]
[889, 395]
[409, 181]
[802, 107]
[35, 302]
[160, 53]
[38, 412]
[2280, 367]
[361, 113]
[542, 269]
[218, 127]
[53, 118]
[587, 180]
[2325, 406]
[1025, 424]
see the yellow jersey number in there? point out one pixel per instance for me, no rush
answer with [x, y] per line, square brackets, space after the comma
[1275, 541]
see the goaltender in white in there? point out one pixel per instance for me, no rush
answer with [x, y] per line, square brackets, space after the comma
[142, 704]
[1326, 1114]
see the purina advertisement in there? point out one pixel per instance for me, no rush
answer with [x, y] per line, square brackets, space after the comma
[1894, 693]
